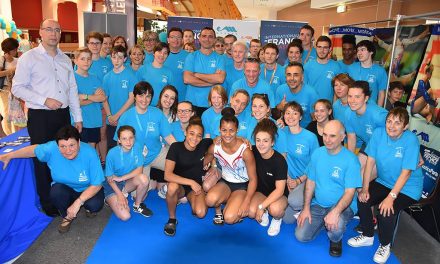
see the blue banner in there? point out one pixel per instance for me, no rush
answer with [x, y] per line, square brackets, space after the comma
[280, 33]
[431, 169]
[196, 24]
[351, 31]
[436, 30]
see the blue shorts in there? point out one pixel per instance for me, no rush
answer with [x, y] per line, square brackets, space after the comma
[108, 190]
[91, 135]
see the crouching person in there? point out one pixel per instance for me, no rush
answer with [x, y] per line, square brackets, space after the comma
[333, 176]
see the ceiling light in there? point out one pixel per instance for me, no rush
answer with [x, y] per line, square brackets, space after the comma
[341, 8]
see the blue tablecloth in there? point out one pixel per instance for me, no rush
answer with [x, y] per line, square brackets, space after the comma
[20, 220]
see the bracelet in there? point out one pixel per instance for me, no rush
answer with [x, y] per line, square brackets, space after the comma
[300, 181]
[214, 165]
[87, 97]
[109, 115]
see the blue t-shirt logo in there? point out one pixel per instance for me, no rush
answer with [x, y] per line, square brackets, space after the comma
[299, 148]
[213, 63]
[371, 78]
[150, 126]
[124, 84]
[304, 107]
[104, 69]
[398, 152]
[369, 129]
[243, 125]
[330, 75]
[275, 79]
[164, 79]
[83, 176]
[180, 65]
[336, 172]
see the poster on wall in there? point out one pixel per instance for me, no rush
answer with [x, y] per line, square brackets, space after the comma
[336, 34]
[280, 33]
[245, 31]
[408, 53]
[196, 24]
[425, 112]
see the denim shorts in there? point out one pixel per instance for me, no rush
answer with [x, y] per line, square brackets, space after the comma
[108, 190]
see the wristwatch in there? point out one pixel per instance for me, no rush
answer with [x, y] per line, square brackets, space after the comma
[260, 207]
[393, 195]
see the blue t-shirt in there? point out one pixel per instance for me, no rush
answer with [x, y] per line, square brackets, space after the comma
[243, 125]
[211, 119]
[394, 155]
[232, 75]
[306, 97]
[343, 66]
[120, 163]
[198, 62]
[333, 174]
[175, 62]
[149, 58]
[375, 76]
[320, 77]
[157, 77]
[79, 173]
[299, 148]
[91, 113]
[150, 127]
[101, 67]
[262, 87]
[364, 125]
[274, 77]
[312, 56]
[117, 87]
[177, 131]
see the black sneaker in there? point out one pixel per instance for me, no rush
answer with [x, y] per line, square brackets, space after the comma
[335, 249]
[90, 214]
[143, 210]
[170, 228]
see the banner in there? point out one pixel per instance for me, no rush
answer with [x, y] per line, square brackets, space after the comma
[245, 31]
[424, 108]
[408, 53]
[196, 24]
[336, 34]
[280, 33]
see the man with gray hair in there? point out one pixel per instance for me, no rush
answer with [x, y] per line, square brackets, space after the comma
[235, 69]
[333, 175]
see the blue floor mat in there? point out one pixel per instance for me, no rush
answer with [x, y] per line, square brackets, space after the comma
[142, 240]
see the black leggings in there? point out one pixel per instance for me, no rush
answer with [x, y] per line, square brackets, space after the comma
[378, 193]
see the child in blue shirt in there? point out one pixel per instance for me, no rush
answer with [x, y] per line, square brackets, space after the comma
[90, 95]
[118, 87]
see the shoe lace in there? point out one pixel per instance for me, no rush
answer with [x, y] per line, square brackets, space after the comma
[382, 250]
[359, 238]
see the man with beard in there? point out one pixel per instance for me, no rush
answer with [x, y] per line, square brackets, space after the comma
[319, 73]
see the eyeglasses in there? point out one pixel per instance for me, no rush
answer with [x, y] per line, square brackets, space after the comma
[219, 45]
[184, 111]
[94, 43]
[257, 60]
[51, 30]
[149, 40]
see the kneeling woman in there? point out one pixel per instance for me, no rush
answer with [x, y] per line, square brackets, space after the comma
[271, 195]
[395, 152]
[76, 174]
[239, 179]
[184, 171]
[123, 171]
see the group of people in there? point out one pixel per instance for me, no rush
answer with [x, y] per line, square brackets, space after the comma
[308, 141]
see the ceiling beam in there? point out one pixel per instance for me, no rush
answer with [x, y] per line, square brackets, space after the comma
[216, 9]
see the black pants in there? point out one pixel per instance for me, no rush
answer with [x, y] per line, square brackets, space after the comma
[111, 130]
[378, 193]
[42, 127]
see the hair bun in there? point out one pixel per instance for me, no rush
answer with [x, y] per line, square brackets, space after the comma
[228, 111]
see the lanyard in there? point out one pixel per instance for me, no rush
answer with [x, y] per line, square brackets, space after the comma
[273, 74]
[121, 154]
[140, 125]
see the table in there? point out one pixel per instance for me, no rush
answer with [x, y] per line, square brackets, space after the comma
[20, 220]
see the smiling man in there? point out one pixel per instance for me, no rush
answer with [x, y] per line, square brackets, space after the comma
[44, 79]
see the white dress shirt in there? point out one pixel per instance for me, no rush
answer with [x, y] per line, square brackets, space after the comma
[39, 76]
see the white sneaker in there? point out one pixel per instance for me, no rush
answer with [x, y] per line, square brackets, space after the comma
[382, 254]
[275, 226]
[163, 192]
[360, 241]
[265, 219]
